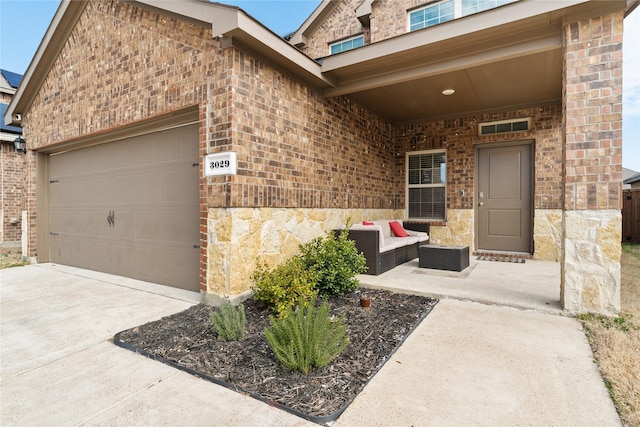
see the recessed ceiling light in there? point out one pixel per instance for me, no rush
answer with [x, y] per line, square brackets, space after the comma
[448, 92]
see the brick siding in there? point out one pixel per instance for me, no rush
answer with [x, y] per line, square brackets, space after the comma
[12, 187]
[459, 136]
[339, 24]
[389, 18]
[296, 149]
[593, 113]
[123, 64]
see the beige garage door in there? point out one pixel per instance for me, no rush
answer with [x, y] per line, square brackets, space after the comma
[129, 207]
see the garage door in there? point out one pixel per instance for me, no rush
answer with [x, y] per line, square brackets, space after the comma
[129, 207]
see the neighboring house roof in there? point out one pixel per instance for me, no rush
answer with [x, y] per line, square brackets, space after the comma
[9, 81]
[13, 78]
[510, 56]
[628, 173]
[632, 179]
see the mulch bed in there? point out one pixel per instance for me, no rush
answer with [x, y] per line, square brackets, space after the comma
[187, 341]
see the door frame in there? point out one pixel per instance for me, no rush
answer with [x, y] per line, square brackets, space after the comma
[476, 177]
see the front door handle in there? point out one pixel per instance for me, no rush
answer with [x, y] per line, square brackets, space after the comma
[481, 204]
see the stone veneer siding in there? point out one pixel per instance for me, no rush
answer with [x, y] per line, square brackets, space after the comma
[271, 234]
[592, 222]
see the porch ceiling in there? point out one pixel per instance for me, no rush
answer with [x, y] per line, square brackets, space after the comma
[507, 58]
[534, 79]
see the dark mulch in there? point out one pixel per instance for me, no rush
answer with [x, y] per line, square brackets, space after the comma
[186, 339]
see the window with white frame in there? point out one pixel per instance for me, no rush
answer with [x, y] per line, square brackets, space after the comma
[447, 10]
[427, 185]
[348, 44]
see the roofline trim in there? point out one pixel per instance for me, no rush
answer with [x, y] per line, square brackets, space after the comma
[225, 21]
[68, 13]
[542, 44]
[299, 38]
[475, 23]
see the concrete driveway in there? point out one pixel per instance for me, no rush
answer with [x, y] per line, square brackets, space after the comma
[466, 364]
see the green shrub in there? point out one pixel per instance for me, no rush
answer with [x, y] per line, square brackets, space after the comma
[335, 260]
[229, 322]
[307, 337]
[285, 287]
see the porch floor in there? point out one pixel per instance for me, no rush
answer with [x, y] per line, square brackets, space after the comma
[532, 285]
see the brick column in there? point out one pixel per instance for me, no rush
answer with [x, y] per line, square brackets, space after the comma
[592, 104]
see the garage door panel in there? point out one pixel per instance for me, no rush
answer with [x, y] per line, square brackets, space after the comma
[151, 186]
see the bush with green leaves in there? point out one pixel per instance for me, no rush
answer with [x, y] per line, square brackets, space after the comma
[307, 337]
[285, 287]
[335, 260]
[229, 322]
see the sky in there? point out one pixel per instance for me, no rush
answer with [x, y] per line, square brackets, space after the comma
[23, 23]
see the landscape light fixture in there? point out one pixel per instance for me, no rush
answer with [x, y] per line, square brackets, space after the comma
[20, 144]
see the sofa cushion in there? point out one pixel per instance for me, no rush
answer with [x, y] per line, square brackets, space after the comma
[398, 242]
[421, 235]
[373, 227]
[397, 229]
[384, 225]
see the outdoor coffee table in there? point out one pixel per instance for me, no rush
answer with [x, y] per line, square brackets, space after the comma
[440, 257]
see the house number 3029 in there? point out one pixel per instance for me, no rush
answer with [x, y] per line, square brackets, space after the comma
[220, 164]
[217, 164]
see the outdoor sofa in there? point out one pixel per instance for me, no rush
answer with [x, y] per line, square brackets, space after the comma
[382, 247]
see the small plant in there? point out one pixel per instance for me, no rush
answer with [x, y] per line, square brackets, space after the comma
[229, 322]
[622, 322]
[335, 260]
[307, 337]
[288, 285]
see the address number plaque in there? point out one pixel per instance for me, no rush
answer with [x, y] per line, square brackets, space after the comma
[220, 164]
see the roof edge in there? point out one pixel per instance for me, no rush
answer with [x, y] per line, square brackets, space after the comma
[225, 21]
[299, 38]
[61, 26]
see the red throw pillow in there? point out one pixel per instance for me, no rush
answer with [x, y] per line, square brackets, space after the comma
[367, 223]
[398, 229]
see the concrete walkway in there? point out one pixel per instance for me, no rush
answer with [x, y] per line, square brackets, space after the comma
[466, 364]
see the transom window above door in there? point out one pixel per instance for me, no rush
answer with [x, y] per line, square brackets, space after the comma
[348, 44]
[447, 10]
[426, 185]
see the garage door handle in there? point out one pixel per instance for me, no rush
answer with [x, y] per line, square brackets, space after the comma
[111, 218]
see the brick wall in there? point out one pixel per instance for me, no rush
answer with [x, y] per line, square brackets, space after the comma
[340, 23]
[296, 149]
[460, 137]
[122, 64]
[12, 187]
[388, 19]
[593, 113]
